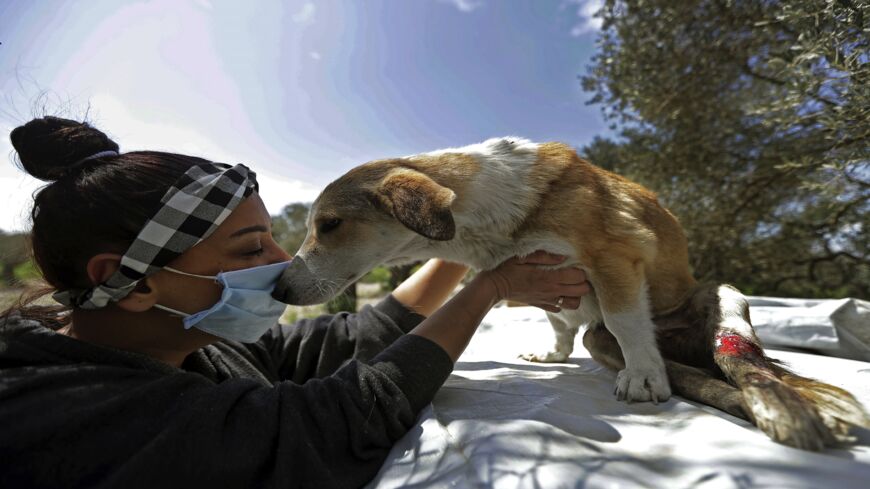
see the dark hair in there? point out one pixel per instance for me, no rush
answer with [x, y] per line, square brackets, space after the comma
[94, 206]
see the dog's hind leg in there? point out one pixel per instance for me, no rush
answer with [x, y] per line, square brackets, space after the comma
[792, 410]
[565, 325]
[692, 383]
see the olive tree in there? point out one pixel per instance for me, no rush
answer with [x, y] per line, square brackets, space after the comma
[751, 120]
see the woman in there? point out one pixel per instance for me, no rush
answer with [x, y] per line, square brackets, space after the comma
[166, 366]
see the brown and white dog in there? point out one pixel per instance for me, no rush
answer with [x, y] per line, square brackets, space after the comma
[648, 318]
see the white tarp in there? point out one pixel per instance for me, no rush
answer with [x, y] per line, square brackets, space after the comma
[833, 327]
[505, 423]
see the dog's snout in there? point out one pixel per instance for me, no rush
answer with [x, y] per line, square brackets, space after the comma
[279, 293]
[294, 285]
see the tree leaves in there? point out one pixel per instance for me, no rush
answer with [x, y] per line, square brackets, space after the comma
[752, 122]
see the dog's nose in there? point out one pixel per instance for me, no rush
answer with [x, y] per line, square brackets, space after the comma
[281, 292]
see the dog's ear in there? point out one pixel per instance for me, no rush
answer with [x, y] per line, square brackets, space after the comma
[418, 202]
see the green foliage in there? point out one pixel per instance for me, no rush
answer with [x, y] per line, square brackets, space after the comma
[295, 313]
[752, 122]
[346, 301]
[26, 271]
[378, 275]
[290, 316]
[289, 228]
[13, 253]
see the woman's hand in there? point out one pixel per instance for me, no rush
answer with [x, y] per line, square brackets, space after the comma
[518, 279]
[522, 280]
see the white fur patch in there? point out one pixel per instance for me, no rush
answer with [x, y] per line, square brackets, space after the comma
[497, 201]
[644, 377]
[502, 183]
[633, 328]
[731, 305]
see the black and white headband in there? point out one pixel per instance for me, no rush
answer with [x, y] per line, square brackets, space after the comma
[193, 207]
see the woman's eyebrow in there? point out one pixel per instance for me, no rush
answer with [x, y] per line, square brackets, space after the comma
[250, 229]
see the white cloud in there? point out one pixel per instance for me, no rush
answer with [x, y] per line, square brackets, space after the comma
[133, 131]
[16, 199]
[464, 5]
[586, 10]
[315, 55]
[16, 188]
[306, 14]
[278, 191]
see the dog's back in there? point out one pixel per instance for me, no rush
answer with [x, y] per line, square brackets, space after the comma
[605, 215]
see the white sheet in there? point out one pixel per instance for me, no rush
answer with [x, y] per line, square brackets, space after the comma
[834, 327]
[501, 422]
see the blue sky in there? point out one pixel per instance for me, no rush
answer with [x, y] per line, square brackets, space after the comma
[301, 91]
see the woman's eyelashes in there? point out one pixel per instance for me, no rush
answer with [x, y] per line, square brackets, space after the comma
[257, 252]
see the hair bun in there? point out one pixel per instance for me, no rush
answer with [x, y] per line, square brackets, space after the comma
[50, 147]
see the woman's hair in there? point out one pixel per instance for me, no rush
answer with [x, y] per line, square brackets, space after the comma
[91, 205]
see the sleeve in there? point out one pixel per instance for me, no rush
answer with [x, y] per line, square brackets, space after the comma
[181, 430]
[315, 348]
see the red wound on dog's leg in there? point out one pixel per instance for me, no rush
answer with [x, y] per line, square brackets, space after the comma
[734, 345]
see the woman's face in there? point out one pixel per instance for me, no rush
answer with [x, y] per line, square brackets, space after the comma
[243, 240]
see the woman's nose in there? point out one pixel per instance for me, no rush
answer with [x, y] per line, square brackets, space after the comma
[279, 254]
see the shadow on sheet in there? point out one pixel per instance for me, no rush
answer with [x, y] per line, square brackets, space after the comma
[502, 422]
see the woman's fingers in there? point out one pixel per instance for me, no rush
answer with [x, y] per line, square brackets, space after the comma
[571, 275]
[546, 307]
[541, 258]
[554, 305]
[570, 302]
[574, 290]
[555, 283]
[565, 302]
[530, 280]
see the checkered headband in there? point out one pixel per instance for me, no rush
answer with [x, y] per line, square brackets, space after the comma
[193, 207]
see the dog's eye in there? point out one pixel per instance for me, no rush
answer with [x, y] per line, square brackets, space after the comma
[328, 226]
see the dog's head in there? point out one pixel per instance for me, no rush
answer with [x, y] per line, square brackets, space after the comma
[367, 217]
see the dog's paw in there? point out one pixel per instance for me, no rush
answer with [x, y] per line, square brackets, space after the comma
[642, 384]
[549, 357]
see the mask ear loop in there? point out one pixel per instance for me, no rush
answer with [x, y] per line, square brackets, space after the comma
[211, 277]
[172, 311]
[175, 311]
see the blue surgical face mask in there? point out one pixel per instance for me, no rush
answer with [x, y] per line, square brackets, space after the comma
[246, 309]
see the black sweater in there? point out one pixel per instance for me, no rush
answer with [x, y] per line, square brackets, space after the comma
[314, 404]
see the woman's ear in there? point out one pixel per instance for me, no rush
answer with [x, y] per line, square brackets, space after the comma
[101, 267]
[143, 297]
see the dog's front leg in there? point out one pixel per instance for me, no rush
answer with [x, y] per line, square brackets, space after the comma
[621, 291]
[690, 382]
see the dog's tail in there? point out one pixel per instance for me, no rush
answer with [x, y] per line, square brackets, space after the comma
[792, 410]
